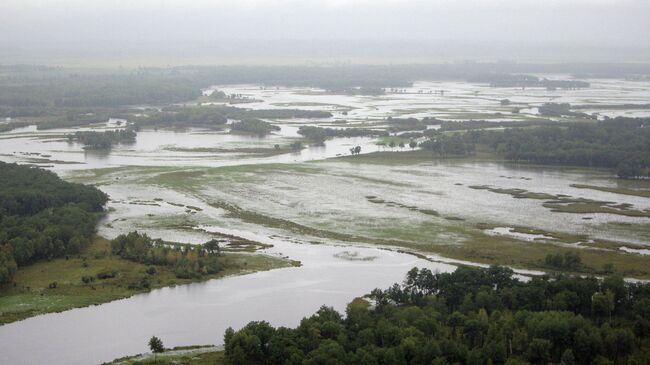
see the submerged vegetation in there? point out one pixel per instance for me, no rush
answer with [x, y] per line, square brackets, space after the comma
[254, 126]
[94, 140]
[320, 134]
[470, 316]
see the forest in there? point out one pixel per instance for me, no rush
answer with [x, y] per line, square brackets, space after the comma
[620, 143]
[94, 140]
[320, 134]
[470, 316]
[43, 217]
[217, 116]
[254, 126]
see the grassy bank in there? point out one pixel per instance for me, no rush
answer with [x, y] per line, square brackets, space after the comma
[198, 355]
[57, 285]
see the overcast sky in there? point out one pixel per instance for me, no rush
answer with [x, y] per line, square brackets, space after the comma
[609, 23]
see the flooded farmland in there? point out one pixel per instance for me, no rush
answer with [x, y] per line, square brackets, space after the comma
[354, 223]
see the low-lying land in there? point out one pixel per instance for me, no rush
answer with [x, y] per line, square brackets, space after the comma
[96, 276]
[470, 316]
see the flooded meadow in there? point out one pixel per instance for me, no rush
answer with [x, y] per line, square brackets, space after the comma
[354, 223]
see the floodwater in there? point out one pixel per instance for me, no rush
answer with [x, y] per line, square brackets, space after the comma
[200, 313]
[300, 187]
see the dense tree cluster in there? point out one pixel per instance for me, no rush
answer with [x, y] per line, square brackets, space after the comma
[621, 143]
[320, 134]
[42, 216]
[411, 124]
[204, 116]
[187, 261]
[470, 316]
[560, 110]
[519, 80]
[217, 116]
[254, 126]
[66, 90]
[449, 145]
[95, 140]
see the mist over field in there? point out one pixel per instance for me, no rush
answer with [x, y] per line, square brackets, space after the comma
[325, 182]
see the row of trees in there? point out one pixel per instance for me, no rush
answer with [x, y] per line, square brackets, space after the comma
[470, 316]
[187, 261]
[42, 216]
[522, 80]
[103, 140]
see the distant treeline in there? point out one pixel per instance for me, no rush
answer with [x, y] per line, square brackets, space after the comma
[217, 116]
[82, 117]
[620, 143]
[95, 140]
[29, 87]
[471, 316]
[59, 89]
[510, 80]
[320, 134]
[42, 216]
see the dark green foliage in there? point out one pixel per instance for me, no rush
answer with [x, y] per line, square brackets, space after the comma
[42, 216]
[409, 124]
[515, 80]
[8, 265]
[95, 90]
[156, 345]
[217, 116]
[103, 140]
[470, 316]
[449, 145]
[187, 261]
[254, 126]
[559, 110]
[320, 134]
[622, 143]
[568, 261]
[204, 116]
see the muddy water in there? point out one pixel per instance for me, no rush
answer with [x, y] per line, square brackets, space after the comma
[199, 313]
[331, 274]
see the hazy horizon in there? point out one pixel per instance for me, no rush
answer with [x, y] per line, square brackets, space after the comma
[74, 32]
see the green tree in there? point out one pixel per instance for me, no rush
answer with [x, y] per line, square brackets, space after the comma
[156, 346]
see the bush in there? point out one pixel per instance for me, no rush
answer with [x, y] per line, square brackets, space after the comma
[106, 274]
